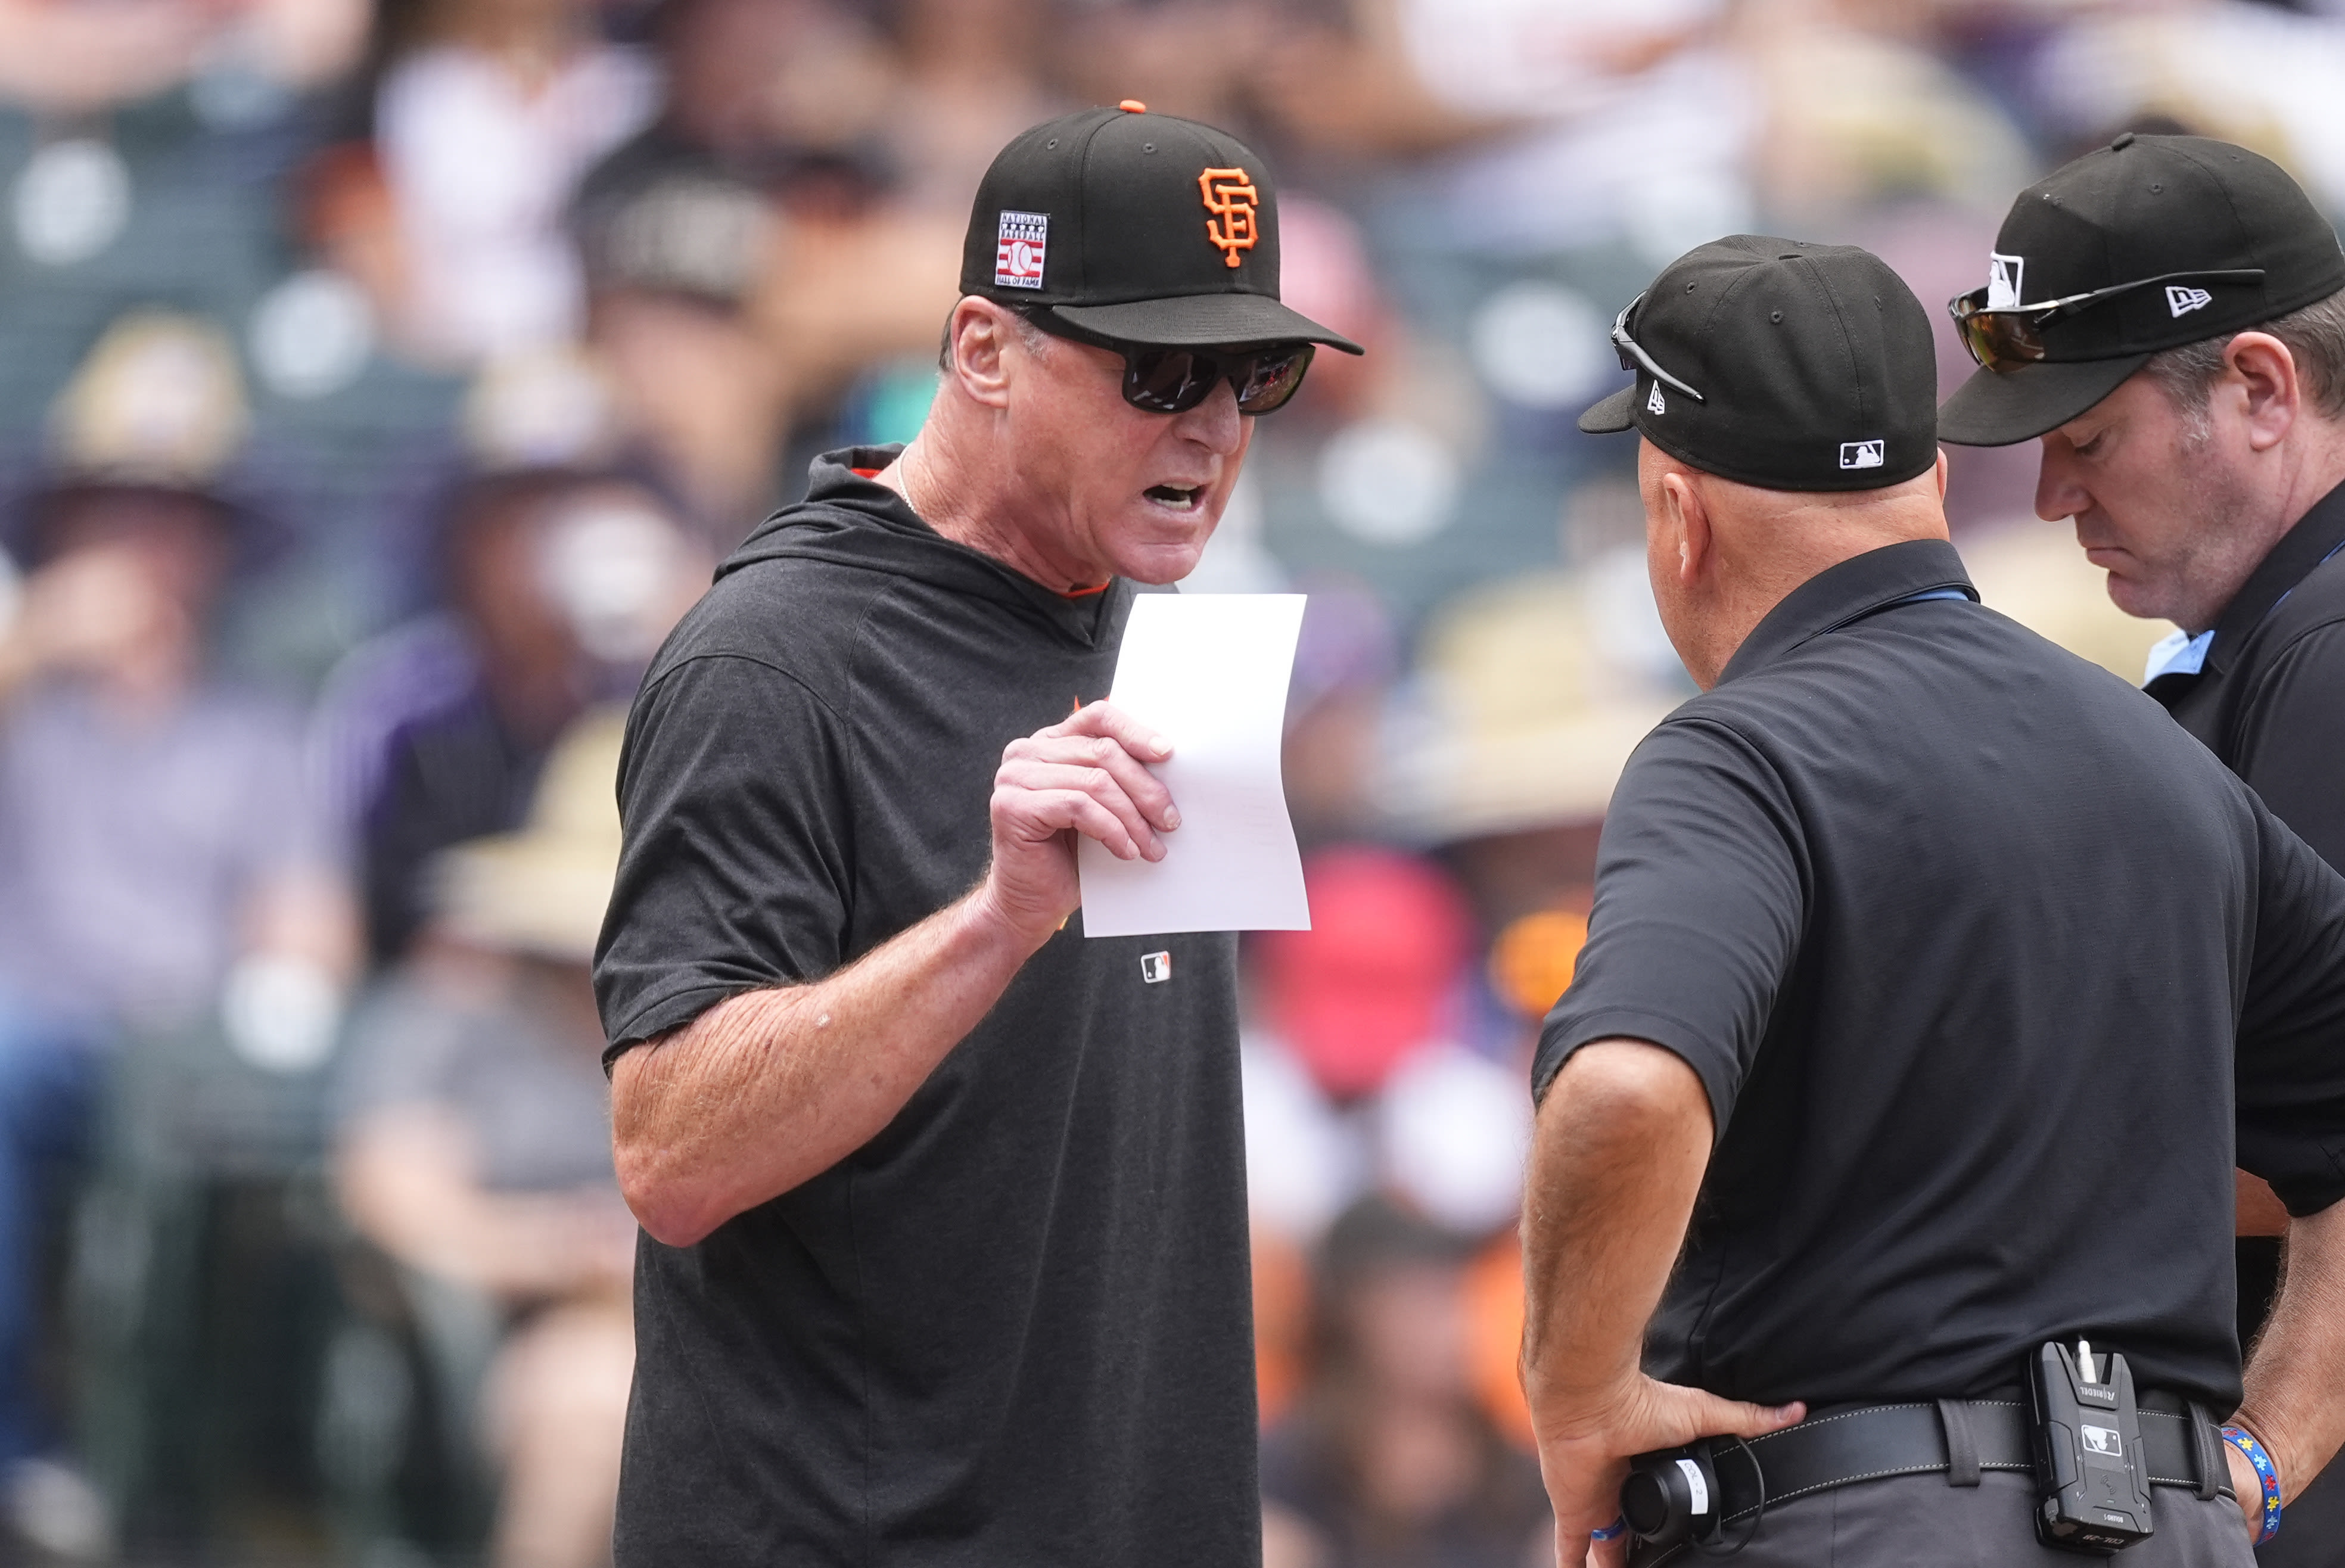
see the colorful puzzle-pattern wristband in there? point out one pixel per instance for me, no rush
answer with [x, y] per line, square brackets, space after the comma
[2267, 1473]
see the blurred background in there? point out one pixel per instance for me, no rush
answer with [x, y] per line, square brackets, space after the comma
[379, 380]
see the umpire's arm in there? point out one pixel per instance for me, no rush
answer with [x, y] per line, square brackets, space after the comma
[2290, 1073]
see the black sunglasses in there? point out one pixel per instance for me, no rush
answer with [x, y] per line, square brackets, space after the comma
[1167, 380]
[2010, 335]
[1633, 356]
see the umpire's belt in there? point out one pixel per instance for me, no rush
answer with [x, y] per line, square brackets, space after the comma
[1960, 1438]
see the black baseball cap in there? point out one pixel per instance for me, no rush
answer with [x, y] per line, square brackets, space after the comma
[1780, 364]
[1135, 226]
[2215, 237]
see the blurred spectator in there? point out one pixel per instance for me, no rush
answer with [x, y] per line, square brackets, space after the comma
[1856, 117]
[68, 59]
[561, 583]
[160, 863]
[2263, 75]
[724, 325]
[489, 114]
[1357, 1078]
[1343, 663]
[1388, 1461]
[474, 1148]
[971, 80]
[678, 248]
[1533, 692]
[1597, 123]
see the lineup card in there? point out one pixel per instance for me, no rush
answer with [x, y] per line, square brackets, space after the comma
[1209, 672]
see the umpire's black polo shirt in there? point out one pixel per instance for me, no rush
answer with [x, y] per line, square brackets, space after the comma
[2268, 697]
[1959, 932]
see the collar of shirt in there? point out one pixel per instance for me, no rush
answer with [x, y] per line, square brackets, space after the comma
[2177, 654]
[2316, 536]
[1839, 595]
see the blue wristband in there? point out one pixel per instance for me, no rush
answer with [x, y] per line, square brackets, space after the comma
[2267, 1472]
[1612, 1531]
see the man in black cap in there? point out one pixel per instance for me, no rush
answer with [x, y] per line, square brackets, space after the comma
[947, 1238]
[2167, 314]
[1930, 976]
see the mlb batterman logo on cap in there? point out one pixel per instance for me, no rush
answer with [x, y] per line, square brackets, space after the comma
[2144, 245]
[1135, 229]
[1780, 364]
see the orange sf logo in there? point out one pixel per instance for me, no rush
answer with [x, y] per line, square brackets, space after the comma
[1229, 196]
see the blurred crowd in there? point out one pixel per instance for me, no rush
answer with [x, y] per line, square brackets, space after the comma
[380, 382]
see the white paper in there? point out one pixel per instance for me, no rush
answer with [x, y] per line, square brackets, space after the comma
[1208, 671]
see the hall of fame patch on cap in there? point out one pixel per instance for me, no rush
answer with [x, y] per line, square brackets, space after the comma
[1018, 257]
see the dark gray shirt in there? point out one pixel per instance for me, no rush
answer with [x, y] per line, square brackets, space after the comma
[1014, 1328]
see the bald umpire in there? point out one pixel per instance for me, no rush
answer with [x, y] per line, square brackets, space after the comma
[2168, 313]
[946, 1258]
[1935, 981]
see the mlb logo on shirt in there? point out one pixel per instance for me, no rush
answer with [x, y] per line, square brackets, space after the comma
[1156, 967]
[1017, 257]
[1862, 454]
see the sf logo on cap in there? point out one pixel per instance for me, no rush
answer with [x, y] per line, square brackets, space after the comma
[1229, 195]
[1018, 258]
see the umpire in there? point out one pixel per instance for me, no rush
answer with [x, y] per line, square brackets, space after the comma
[2168, 313]
[1932, 981]
[946, 1259]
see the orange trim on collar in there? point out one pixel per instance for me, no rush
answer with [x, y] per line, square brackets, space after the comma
[867, 474]
[1087, 592]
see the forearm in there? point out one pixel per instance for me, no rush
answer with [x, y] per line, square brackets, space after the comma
[1622, 1141]
[772, 1087]
[2295, 1401]
[407, 1177]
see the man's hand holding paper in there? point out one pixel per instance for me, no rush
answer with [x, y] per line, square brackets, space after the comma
[1083, 776]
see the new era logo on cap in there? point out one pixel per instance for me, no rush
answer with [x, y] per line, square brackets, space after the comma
[1862, 454]
[1017, 261]
[1653, 404]
[2181, 302]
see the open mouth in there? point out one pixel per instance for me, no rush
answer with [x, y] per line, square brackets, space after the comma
[1178, 497]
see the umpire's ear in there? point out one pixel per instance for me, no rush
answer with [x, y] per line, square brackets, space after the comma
[1686, 523]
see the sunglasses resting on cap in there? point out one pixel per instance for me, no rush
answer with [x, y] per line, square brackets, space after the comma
[2008, 336]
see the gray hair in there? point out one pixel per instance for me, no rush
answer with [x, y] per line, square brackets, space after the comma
[2315, 337]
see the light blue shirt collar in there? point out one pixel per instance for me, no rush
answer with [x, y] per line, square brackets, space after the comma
[2177, 654]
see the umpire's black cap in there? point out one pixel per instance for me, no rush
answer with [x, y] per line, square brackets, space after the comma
[1135, 226]
[1780, 364]
[2146, 243]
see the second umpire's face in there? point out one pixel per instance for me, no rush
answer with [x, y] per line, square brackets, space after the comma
[1117, 491]
[2170, 502]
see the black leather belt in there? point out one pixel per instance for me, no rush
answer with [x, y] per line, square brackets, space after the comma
[1960, 1438]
